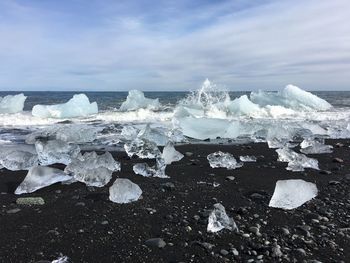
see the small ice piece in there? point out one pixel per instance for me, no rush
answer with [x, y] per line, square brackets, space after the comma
[19, 157]
[296, 161]
[224, 160]
[170, 154]
[290, 194]
[129, 132]
[12, 103]
[63, 259]
[124, 191]
[155, 135]
[142, 148]
[156, 171]
[56, 151]
[312, 146]
[78, 106]
[92, 169]
[218, 220]
[247, 158]
[137, 100]
[39, 177]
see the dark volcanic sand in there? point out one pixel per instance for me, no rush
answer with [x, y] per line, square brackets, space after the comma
[81, 222]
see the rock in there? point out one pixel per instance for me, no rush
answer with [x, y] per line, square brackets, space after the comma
[255, 230]
[13, 211]
[333, 182]
[189, 154]
[205, 245]
[338, 160]
[276, 251]
[234, 251]
[224, 252]
[325, 172]
[285, 231]
[230, 178]
[30, 201]
[347, 177]
[301, 252]
[168, 186]
[155, 242]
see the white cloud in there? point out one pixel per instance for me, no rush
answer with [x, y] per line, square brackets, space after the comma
[264, 46]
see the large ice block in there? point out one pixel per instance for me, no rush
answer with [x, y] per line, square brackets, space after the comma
[78, 106]
[92, 169]
[39, 177]
[137, 100]
[124, 191]
[18, 157]
[12, 103]
[290, 194]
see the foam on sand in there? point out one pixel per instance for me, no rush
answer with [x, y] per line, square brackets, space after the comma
[78, 106]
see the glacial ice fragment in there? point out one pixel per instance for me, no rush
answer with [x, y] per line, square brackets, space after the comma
[247, 158]
[225, 160]
[78, 106]
[124, 191]
[243, 106]
[92, 169]
[56, 151]
[12, 103]
[19, 157]
[137, 100]
[156, 135]
[39, 177]
[155, 171]
[170, 154]
[142, 148]
[313, 146]
[290, 194]
[296, 161]
[218, 220]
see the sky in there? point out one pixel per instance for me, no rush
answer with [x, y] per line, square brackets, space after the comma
[117, 45]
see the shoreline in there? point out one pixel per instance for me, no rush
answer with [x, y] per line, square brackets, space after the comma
[80, 222]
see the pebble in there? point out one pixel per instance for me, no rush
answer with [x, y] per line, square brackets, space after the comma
[30, 201]
[188, 154]
[155, 242]
[285, 231]
[230, 178]
[254, 230]
[301, 251]
[276, 251]
[338, 160]
[224, 252]
[13, 211]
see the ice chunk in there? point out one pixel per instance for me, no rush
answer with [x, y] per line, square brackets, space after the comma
[291, 97]
[12, 103]
[18, 157]
[62, 259]
[39, 177]
[78, 106]
[243, 106]
[156, 171]
[129, 132]
[170, 154]
[224, 160]
[218, 220]
[124, 191]
[156, 135]
[290, 194]
[296, 161]
[247, 158]
[137, 100]
[92, 169]
[312, 146]
[56, 151]
[142, 148]
[208, 128]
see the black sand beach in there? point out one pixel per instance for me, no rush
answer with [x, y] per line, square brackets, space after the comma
[80, 222]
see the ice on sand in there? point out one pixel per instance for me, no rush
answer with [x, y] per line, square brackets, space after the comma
[290, 194]
[156, 171]
[92, 169]
[313, 146]
[156, 135]
[78, 106]
[56, 151]
[12, 103]
[223, 160]
[218, 220]
[247, 158]
[124, 191]
[142, 148]
[296, 161]
[19, 157]
[137, 100]
[170, 154]
[39, 177]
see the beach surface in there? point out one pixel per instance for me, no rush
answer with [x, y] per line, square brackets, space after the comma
[83, 224]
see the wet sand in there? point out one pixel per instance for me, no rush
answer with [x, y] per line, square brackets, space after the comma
[80, 222]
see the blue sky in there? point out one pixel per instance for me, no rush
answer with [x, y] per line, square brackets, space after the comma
[174, 45]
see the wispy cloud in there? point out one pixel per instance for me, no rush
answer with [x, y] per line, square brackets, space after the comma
[120, 45]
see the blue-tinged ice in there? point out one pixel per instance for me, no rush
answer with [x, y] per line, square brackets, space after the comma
[78, 106]
[137, 100]
[12, 103]
[18, 157]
